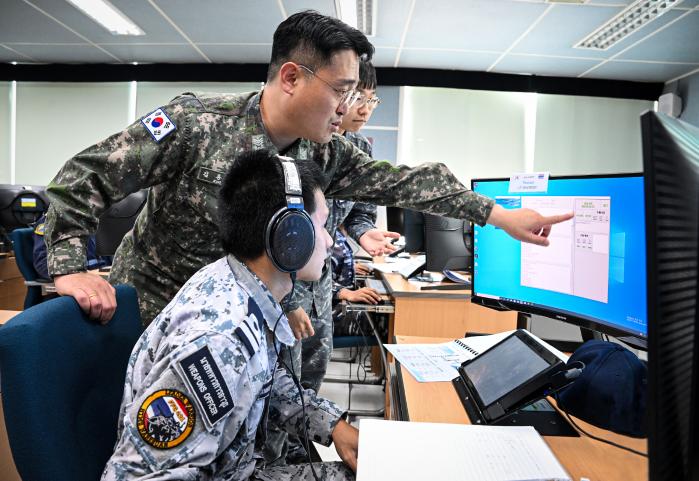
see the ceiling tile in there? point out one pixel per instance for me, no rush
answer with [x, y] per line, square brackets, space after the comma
[562, 28]
[7, 54]
[223, 21]
[449, 60]
[238, 53]
[157, 29]
[392, 15]
[21, 23]
[470, 24]
[679, 42]
[556, 67]
[183, 53]
[640, 72]
[75, 53]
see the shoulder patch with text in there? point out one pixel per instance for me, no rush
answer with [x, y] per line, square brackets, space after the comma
[166, 418]
[207, 384]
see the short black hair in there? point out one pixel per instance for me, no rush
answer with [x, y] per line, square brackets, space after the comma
[251, 193]
[367, 75]
[311, 39]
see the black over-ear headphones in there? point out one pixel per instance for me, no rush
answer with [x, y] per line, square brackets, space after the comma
[290, 236]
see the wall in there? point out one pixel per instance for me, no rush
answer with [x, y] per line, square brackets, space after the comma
[688, 89]
[57, 120]
[494, 134]
[5, 132]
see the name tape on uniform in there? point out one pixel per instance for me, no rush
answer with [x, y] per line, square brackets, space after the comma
[208, 385]
[158, 124]
[210, 176]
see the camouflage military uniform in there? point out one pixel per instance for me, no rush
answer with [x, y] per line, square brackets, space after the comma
[203, 382]
[313, 354]
[176, 233]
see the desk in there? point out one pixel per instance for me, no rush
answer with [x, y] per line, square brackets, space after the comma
[581, 457]
[7, 315]
[440, 313]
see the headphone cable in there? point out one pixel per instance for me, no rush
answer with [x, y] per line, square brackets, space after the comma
[294, 378]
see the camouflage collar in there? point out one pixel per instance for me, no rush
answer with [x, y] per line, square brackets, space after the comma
[270, 308]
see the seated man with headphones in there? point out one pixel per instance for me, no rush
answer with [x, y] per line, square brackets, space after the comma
[205, 379]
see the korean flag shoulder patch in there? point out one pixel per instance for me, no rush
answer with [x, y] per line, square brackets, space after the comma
[158, 124]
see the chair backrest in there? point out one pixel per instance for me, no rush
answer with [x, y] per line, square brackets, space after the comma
[23, 245]
[117, 221]
[62, 379]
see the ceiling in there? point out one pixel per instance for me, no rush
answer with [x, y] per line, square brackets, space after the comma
[504, 36]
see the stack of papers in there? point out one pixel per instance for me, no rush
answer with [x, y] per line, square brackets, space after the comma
[453, 452]
[439, 362]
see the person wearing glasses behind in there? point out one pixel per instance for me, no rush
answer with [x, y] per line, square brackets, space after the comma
[311, 309]
[182, 150]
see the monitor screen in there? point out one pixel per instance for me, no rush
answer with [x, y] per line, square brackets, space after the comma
[592, 274]
[500, 370]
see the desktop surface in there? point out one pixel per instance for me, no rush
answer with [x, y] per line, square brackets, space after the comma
[594, 270]
[582, 456]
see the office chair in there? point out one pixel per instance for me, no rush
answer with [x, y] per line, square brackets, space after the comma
[62, 379]
[117, 221]
[23, 246]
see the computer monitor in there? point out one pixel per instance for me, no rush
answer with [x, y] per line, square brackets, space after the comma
[21, 205]
[117, 221]
[593, 272]
[410, 223]
[447, 243]
[671, 166]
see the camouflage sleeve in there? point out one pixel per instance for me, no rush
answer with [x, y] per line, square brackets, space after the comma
[105, 173]
[300, 297]
[360, 219]
[286, 408]
[185, 415]
[429, 187]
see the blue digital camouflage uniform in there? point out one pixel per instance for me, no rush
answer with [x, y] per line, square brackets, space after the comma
[341, 265]
[203, 382]
[182, 152]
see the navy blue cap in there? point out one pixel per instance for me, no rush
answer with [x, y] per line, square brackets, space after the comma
[611, 391]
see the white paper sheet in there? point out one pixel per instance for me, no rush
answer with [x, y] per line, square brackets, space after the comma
[410, 451]
[439, 362]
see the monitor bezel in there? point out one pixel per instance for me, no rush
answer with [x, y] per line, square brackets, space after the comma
[577, 319]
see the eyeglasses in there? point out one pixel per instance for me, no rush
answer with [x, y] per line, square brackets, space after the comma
[371, 103]
[348, 97]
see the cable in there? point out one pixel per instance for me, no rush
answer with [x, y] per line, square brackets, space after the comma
[293, 376]
[555, 392]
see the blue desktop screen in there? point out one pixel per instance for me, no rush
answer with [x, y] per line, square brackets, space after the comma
[595, 266]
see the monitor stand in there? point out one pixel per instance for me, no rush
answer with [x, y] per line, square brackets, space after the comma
[546, 419]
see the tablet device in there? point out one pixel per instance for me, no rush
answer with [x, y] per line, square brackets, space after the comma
[509, 375]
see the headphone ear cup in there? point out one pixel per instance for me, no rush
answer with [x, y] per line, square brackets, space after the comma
[290, 239]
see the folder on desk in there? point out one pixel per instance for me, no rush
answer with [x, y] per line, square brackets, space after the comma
[453, 452]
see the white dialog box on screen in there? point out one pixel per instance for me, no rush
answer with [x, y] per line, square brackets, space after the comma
[577, 260]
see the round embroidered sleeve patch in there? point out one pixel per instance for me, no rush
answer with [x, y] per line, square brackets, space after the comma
[166, 418]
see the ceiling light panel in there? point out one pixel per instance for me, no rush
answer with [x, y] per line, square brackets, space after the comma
[108, 16]
[626, 22]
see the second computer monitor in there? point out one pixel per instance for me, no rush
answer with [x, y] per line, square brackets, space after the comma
[447, 243]
[593, 273]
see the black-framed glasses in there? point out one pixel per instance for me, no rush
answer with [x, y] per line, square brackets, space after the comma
[348, 97]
